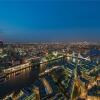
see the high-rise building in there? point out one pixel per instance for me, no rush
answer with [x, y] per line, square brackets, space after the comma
[1, 44]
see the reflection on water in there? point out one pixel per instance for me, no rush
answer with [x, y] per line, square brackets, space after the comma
[25, 78]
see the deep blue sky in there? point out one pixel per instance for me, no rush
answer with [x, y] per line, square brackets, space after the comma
[47, 20]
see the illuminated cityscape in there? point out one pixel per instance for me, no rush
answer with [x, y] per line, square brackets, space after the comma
[50, 71]
[49, 49]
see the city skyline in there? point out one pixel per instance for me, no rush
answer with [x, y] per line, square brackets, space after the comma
[51, 20]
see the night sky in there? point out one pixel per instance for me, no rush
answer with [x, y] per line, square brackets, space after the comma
[49, 20]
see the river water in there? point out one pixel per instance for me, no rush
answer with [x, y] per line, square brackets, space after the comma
[18, 82]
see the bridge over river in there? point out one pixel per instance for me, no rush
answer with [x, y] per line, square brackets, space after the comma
[23, 75]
